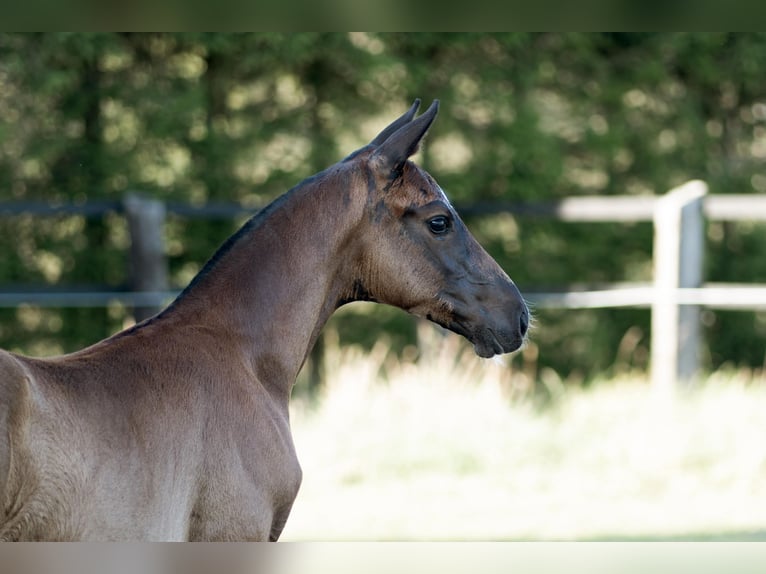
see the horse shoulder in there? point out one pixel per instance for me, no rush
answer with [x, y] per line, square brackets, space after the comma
[252, 474]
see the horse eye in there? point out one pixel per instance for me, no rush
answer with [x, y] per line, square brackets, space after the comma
[438, 225]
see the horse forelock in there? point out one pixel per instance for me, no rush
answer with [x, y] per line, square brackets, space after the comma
[414, 188]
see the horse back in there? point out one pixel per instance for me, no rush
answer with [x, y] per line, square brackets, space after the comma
[56, 426]
[68, 439]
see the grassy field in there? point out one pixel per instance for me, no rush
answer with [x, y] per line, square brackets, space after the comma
[455, 448]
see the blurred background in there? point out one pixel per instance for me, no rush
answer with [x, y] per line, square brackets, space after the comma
[211, 127]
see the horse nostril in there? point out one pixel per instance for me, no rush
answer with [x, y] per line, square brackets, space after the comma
[524, 321]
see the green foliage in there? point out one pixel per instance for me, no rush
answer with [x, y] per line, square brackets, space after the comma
[199, 117]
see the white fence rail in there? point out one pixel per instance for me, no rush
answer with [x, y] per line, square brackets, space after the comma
[678, 290]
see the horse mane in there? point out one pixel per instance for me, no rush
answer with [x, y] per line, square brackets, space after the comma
[254, 222]
[257, 220]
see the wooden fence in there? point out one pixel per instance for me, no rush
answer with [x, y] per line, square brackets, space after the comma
[675, 296]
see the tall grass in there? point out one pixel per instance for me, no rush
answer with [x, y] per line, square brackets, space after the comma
[447, 448]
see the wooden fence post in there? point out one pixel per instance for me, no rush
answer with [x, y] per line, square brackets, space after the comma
[679, 239]
[148, 265]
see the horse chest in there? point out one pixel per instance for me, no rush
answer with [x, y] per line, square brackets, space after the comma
[249, 488]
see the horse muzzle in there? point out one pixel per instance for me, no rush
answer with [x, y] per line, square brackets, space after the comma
[489, 341]
[496, 332]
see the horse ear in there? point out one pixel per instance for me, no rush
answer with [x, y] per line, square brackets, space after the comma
[396, 124]
[391, 155]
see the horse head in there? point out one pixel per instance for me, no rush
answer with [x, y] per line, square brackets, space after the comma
[420, 256]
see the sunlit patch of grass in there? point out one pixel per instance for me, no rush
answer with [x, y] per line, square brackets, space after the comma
[440, 449]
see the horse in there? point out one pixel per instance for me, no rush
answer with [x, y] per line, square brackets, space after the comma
[177, 428]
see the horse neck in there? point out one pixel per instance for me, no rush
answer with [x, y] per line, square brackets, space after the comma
[271, 291]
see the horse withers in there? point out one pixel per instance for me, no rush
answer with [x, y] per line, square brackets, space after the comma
[177, 428]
